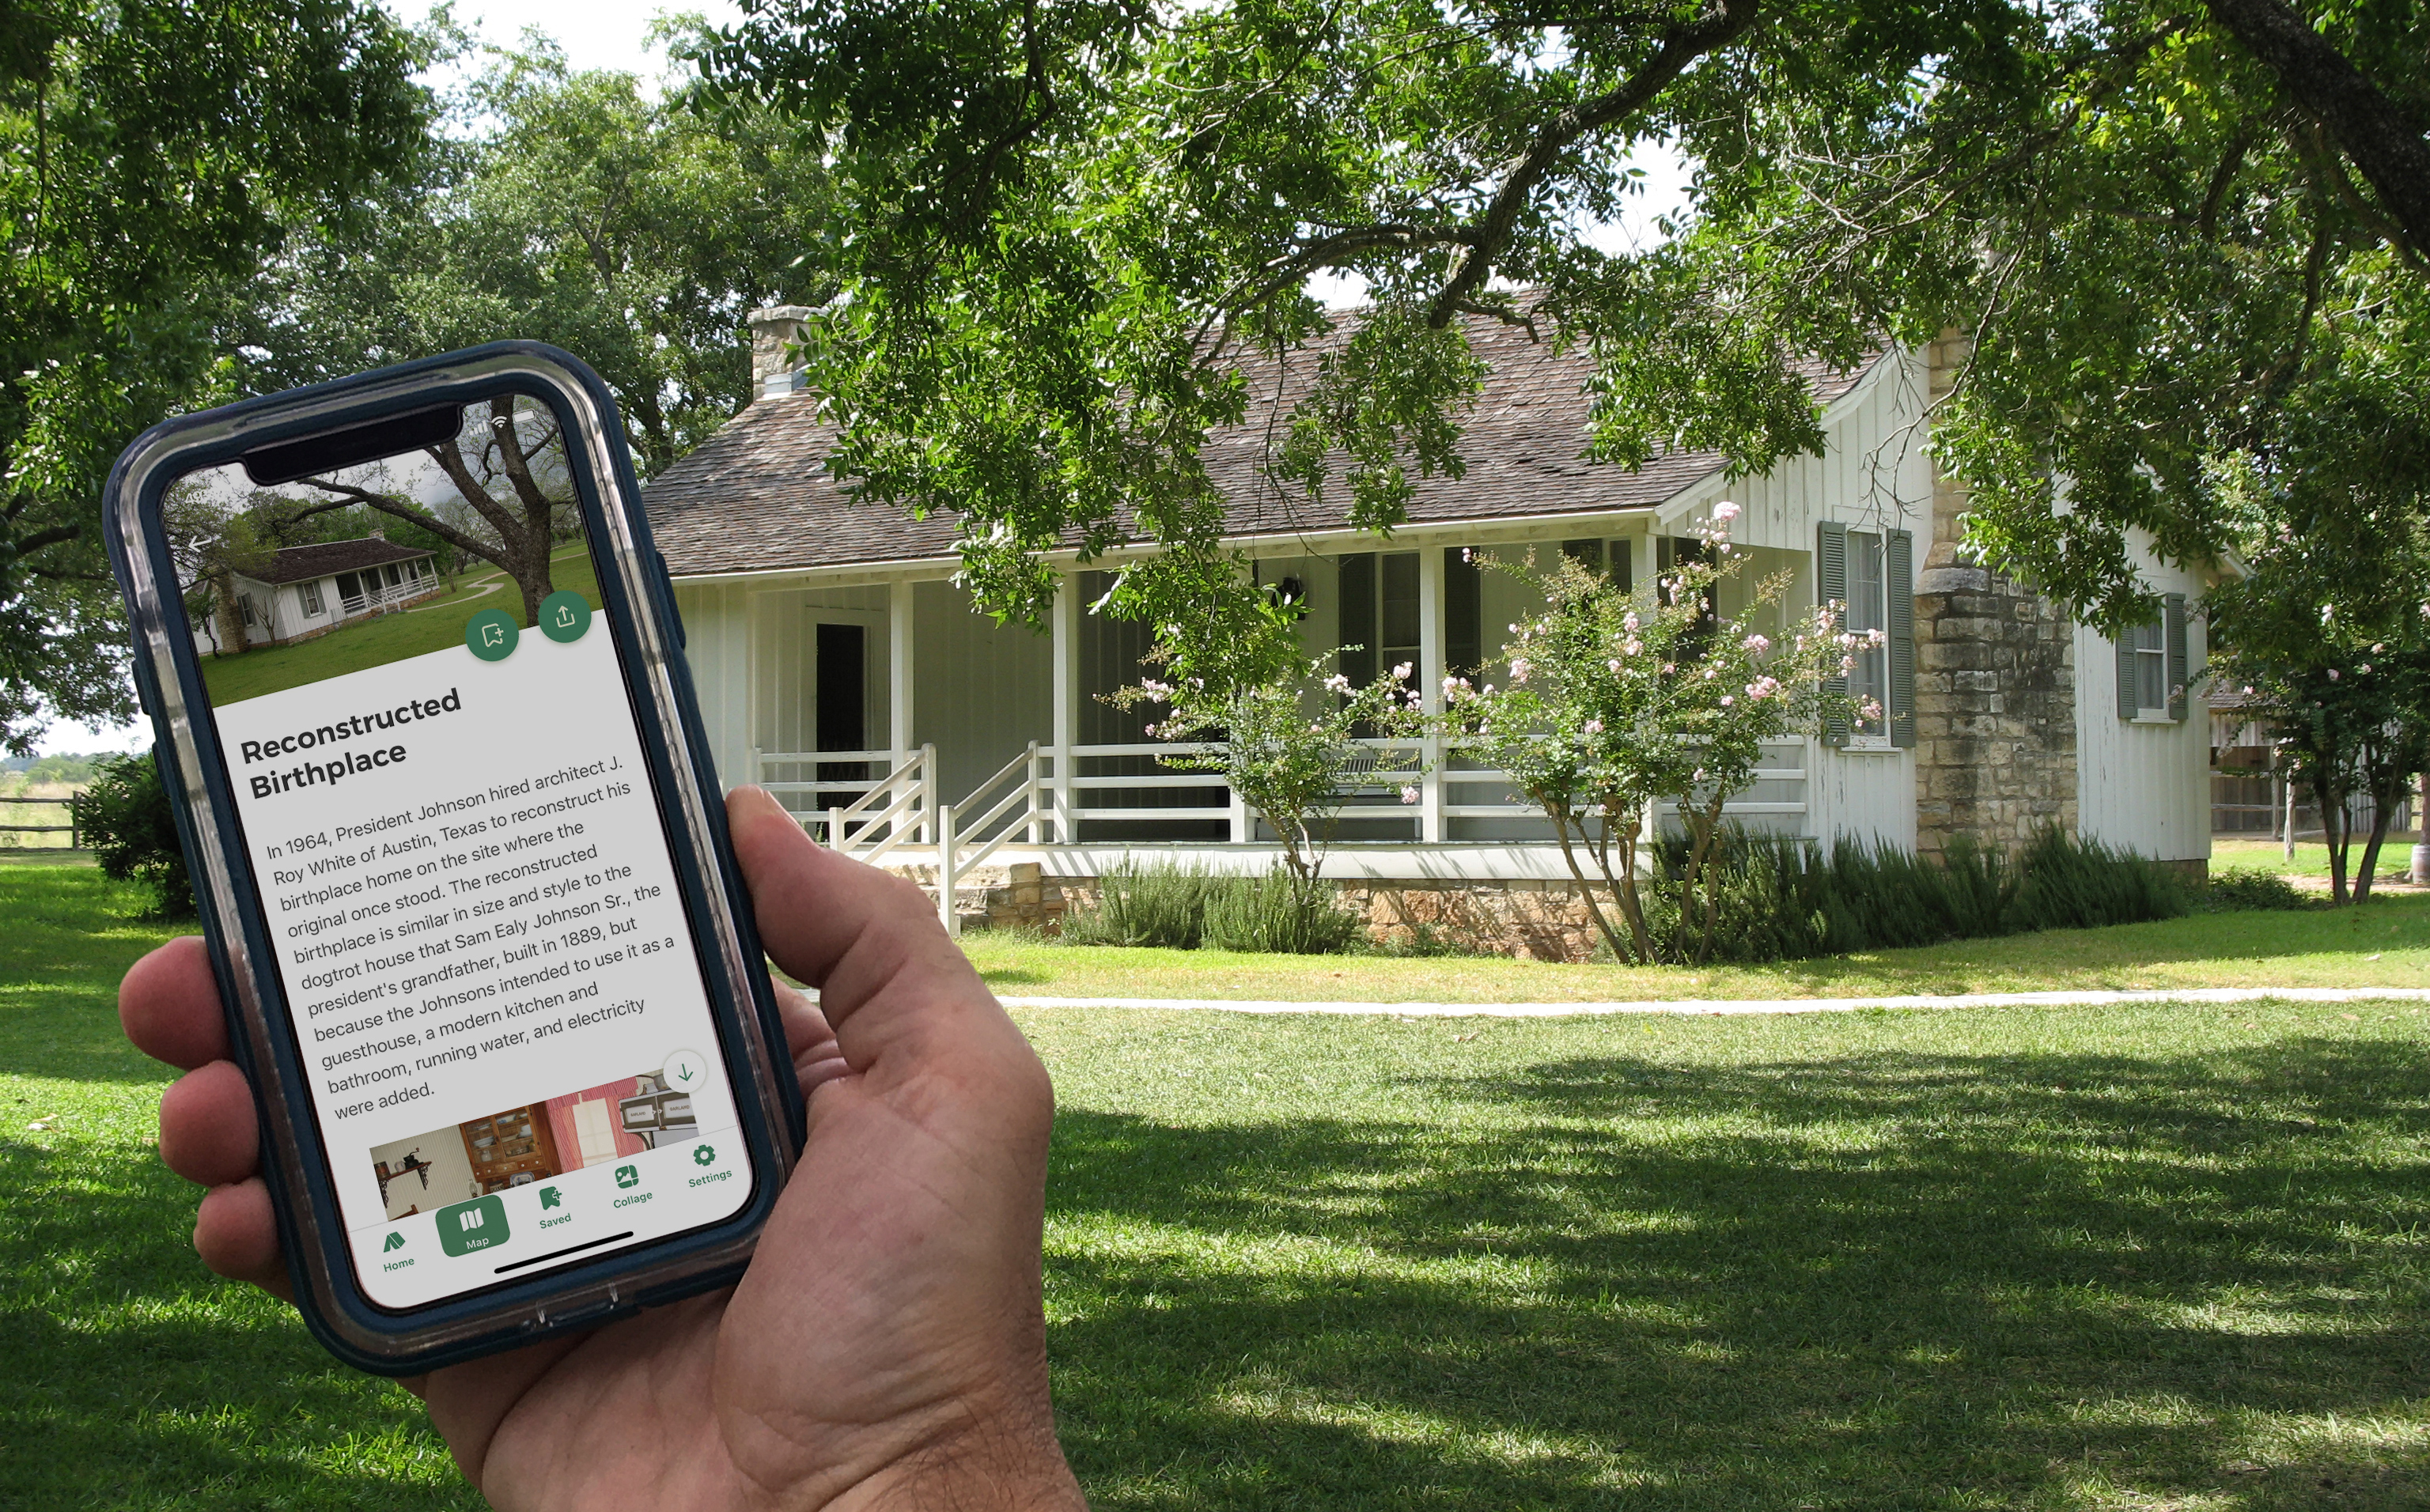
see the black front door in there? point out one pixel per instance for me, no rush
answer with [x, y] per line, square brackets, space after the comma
[843, 705]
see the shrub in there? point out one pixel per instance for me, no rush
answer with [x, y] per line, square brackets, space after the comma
[1272, 913]
[127, 818]
[2230, 891]
[2073, 884]
[1155, 904]
[1782, 898]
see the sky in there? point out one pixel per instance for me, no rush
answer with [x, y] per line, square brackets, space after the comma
[609, 34]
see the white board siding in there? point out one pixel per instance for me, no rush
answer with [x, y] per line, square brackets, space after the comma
[2142, 788]
[717, 645]
[1873, 474]
[1865, 796]
[983, 691]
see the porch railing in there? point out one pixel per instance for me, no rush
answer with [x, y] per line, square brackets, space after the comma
[1023, 804]
[350, 605]
[1027, 802]
[897, 808]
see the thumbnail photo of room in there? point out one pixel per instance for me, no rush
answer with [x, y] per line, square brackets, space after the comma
[517, 1146]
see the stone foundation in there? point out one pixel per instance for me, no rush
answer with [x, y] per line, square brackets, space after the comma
[1530, 920]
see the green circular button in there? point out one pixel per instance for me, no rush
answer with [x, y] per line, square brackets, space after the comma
[564, 615]
[491, 635]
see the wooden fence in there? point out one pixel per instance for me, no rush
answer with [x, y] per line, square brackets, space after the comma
[75, 838]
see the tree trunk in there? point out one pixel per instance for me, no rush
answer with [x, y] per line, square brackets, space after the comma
[2377, 132]
[1560, 815]
[2333, 833]
[1632, 907]
[2380, 815]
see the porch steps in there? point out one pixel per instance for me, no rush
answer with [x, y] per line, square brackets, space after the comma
[994, 896]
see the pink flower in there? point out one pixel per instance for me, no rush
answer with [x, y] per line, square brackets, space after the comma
[1401, 672]
[1337, 683]
[1758, 644]
[1519, 669]
[1409, 795]
[1725, 511]
[1628, 621]
[1727, 700]
[1762, 687]
[1594, 727]
[2333, 675]
[1613, 667]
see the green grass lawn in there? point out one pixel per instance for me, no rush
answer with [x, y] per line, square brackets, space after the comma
[2054, 1259]
[2311, 857]
[2385, 943]
[136, 1379]
[431, 626]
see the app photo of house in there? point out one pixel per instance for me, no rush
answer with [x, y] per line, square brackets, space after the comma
[300, 591]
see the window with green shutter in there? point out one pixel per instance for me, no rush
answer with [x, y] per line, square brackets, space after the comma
[2153, 668]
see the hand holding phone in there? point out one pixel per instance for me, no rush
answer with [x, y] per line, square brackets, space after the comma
[886, 1342]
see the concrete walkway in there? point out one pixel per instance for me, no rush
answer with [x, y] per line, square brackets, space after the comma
[1720, 1007]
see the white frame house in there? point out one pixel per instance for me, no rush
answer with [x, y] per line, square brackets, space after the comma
[970, 742]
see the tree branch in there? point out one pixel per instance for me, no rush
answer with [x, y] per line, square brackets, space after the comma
[350, 495]
[1681, 45]
[2379, 133]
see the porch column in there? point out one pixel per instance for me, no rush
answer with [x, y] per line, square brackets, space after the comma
[1066, 651]
[898, 682]
[1430, 676]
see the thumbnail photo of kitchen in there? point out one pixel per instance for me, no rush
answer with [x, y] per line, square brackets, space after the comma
[521, 1145]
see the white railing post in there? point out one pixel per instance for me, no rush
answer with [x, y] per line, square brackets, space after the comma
[1032, 829]
[929, 815]
[835, 829]
[947, 911]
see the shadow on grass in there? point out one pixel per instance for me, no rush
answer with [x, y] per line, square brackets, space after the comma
[1883, 1281]
[140, 1381]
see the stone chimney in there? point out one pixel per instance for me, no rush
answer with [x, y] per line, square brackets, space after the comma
[772, 330]
[1995, 752]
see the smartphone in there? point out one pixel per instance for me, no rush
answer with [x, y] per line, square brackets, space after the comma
[417, 680]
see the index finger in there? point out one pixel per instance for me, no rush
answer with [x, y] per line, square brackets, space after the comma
[170, 1006]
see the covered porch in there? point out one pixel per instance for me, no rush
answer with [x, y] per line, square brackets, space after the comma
[911, 730]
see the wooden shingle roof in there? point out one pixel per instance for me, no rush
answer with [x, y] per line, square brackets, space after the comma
[756, 498]
[297, 564]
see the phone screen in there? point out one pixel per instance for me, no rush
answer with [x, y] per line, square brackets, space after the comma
[489, 968]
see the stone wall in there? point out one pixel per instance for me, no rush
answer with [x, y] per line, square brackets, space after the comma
[1994, 685]
[1531, 921]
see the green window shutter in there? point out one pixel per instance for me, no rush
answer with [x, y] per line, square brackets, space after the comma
[1831, 587]
[1624, 565]
[1463, 613]
[2128, 705]
[2174, 617]
[1354, 599]
[1898, 586]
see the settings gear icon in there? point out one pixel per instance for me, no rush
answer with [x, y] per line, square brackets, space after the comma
[702, 1154]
